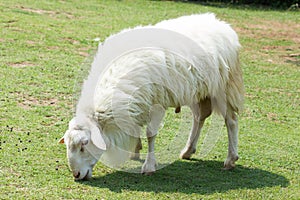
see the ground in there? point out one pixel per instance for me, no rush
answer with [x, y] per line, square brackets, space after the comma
[45, 49]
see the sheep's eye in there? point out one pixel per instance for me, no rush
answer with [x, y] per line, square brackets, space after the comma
[81, 149]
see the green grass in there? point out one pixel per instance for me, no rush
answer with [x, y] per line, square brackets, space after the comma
[43, 45]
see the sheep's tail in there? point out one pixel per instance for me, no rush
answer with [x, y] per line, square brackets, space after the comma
[235, 88]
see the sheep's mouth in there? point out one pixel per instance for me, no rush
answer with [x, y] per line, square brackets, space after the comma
[86, 177]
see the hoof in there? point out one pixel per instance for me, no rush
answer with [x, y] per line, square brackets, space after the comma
[185, 156]
[135, 156]
[149, 167]
[229, 164]
[148, 173]
[187, 153]
[229, 167]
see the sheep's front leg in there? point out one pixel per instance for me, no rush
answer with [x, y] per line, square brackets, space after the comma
[150, 162]
[156, 115]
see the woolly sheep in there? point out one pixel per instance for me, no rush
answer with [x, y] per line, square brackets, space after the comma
[109, 130]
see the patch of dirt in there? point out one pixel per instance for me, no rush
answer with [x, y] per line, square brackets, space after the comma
[30, 42]
[53, 47]
[273, 117]
[72, 41]
[47, 12]
[84, 52]
[22, 64]
[271, 29]
[10, 171]
[38, 11]
[274, 31]
[27, 102]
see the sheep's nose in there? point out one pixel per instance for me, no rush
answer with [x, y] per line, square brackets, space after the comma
[76, 174]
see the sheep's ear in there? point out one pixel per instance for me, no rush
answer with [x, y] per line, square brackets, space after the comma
[62, 140]
[97, 138]
[71, 124]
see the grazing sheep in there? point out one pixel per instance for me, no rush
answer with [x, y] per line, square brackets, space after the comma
[138, 87]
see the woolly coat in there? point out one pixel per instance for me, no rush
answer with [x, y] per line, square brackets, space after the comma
[135, 82]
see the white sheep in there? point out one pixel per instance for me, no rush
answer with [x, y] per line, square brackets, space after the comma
[138, 87]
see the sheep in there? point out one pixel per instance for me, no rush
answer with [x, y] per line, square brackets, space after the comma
[139, 86]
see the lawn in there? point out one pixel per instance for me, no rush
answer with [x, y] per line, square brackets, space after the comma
[45, 48]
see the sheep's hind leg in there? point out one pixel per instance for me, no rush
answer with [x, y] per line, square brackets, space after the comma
[200, 112]
[156, 115]
[231, 122]
[136, 154]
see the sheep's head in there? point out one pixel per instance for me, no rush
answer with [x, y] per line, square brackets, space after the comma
[85, 146]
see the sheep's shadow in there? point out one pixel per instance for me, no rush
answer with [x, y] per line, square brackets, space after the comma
[194, 176]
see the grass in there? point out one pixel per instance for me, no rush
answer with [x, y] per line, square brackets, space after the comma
[43, 45]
